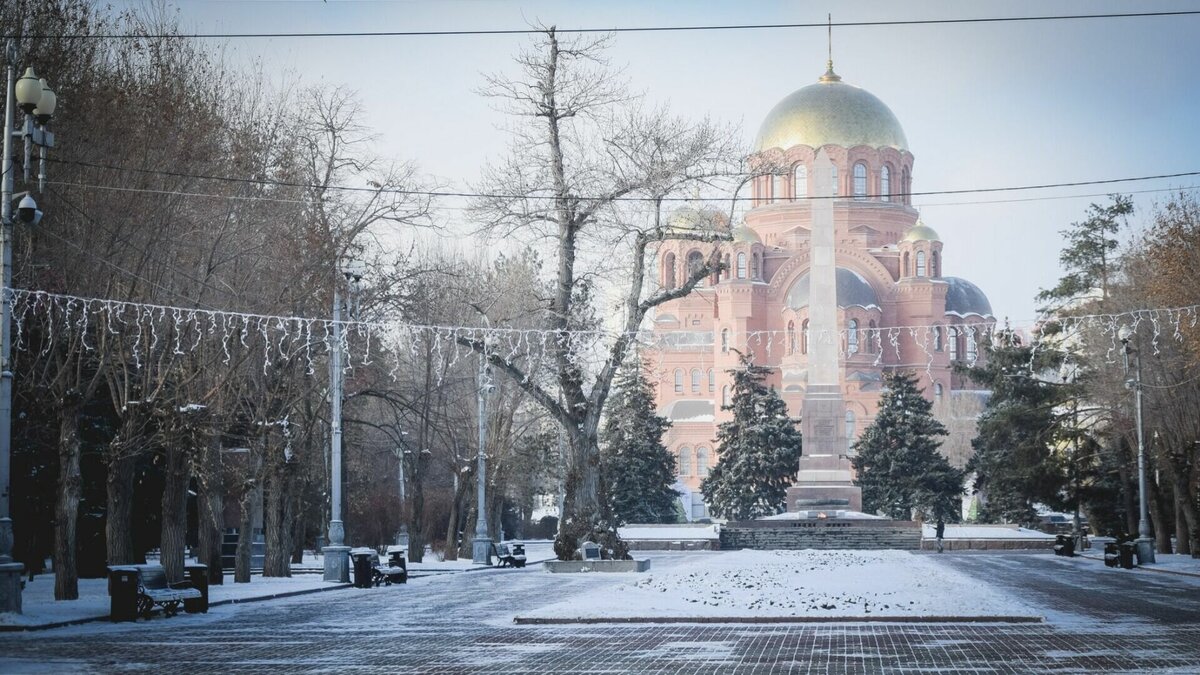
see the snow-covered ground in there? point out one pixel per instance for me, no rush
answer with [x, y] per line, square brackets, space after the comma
[793, 584]
[39, 606]
[669, 532]
[984, 532]
[1174, 563]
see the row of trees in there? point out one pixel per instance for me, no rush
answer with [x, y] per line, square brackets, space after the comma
[1059, 429]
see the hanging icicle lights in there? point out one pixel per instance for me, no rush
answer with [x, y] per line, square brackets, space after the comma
[147, 329]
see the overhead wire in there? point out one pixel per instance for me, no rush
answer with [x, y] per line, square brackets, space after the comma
[614, 29]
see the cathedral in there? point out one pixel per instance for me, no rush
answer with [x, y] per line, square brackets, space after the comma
[895, 309]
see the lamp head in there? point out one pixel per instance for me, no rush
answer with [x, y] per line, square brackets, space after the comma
[28, 90]
[46, 104]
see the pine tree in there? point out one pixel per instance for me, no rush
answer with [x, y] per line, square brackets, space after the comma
[1025, 420]
[638, 469]
[898, 465]
[759, 450]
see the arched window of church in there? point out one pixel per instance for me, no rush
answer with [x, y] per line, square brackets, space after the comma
[937, 338]
[933, 267]
[669, 271]
[872, 337]
[920, 263]
[712, 381]
[800, 182]
[852, 336]
[952, 342]
[972, 348]
[741, 266]
[860, 181]
[904, 270]
[724, 340]
[835, 181]
[937, 392]
[695, 380]
[702, 462]
[906, 186]
[685, 461]
[695, 262]
[804, 337]
[849, 429]
[678, 381]
[755, 266]
[725, 396]
[778, 183]
[791, 337]
[885, 183]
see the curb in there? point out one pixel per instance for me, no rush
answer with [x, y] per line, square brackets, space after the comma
[533, 621]
[218, 603]
[1148, 569]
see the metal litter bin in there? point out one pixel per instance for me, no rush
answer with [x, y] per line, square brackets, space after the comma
[123, 593]
[197, 574]
[1112, 554]
[362, 569]
[1128, 550]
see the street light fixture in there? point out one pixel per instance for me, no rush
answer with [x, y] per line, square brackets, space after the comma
[36, 100]
[1145, 545]
[337, 554]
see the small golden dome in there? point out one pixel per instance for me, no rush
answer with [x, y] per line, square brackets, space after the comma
[831, 112]
[921, 232]
[744, 235]
[691, 219]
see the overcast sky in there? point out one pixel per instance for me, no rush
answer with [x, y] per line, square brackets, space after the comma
[983, 105]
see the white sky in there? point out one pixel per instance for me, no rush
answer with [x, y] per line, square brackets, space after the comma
[983, 105]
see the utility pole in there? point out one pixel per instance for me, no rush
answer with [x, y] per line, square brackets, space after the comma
[481, 546]
[1145, 545]
[337, 554]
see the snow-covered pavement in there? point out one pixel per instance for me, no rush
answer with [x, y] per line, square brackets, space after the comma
[745, 584]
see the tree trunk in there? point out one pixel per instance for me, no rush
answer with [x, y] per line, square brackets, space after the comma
[210, 500]
[118, 526]
[176, 476]
[298, 529]
[1158, 518]
[66, 511]
[278, 517]
[1129, 497]
[450, 549]
[416, 521]
[585, 516]
[1183, 544]
[241, 569]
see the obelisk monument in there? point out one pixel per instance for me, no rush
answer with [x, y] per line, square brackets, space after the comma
[824, 482]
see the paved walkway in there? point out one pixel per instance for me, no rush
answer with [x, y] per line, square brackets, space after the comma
[1099, 620]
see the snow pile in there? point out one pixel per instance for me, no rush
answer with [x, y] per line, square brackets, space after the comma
[669, 532]
[985, 532]
[795, 584]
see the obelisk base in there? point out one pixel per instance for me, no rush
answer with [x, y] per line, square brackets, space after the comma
[825, 481]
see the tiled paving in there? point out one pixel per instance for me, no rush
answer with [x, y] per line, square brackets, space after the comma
[1099, 620]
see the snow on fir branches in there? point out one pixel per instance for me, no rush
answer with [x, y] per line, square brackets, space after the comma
[759, 449]
[898, 466]
[638, 469]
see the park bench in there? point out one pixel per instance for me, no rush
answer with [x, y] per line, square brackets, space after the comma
[396, 571]
[373, 573]
[509, 555]
[152, 588]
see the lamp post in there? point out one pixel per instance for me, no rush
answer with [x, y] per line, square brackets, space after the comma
[1145, 545]
[37, 101]
[337, 554]
[481, 545]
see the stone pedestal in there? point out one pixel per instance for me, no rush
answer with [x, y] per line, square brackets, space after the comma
[337, 563]
[10, 587]
[481, 550]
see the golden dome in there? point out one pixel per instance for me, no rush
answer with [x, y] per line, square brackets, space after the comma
[831, 112]
[692, 219]
[744, 235]
[921, 232]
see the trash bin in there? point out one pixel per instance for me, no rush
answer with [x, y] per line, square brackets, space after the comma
[1060, 544]
[1112, 554]
[362, 569]
[123, 593]
[1128, 550]
[197, 574]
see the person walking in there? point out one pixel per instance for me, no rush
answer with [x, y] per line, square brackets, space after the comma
[941, 532]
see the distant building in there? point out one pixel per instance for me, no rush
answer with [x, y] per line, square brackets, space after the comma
[889, 276]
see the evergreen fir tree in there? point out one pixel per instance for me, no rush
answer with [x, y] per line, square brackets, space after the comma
[638, 469]
[759, 450]
[1025, 420]
[898, 465]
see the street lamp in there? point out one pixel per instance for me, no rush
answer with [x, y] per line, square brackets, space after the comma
[481, 545]
[337, 554]
[37, 101]
[1145, 545]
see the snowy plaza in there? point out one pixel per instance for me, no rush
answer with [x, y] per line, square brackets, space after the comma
[462, 622]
